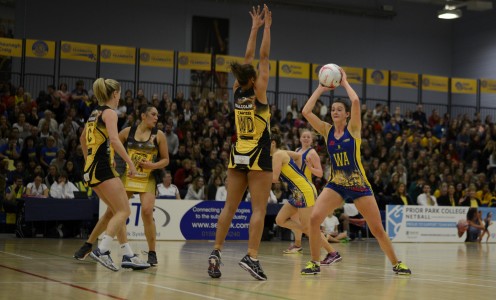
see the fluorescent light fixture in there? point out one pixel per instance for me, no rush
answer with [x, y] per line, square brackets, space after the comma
[449, 12]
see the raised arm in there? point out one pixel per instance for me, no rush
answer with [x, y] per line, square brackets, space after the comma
[317, 124]
[257, 22]
[355, 124]
[264, 64]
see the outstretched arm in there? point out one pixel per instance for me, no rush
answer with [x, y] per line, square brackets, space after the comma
[264, 65]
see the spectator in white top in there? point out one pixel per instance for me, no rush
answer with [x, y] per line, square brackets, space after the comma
[167, 190]
[330, 229]
[48, 118]
[62, 188]
[196, 189]
[221, 193]
[426, 199]
[272, 197]
[37, 188]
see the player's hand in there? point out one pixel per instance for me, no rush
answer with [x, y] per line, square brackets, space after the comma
[145, 164]
[267, 16]
[344, 77]
[132, 171]
[257, 16]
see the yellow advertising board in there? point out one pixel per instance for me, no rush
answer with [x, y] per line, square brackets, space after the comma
[377, 77]
[404, 80]
[40, 49]
[463, 85]
[195, 61]
[78, 51]
[156, 58]
[117, 54]
[223, 62]
[272, 67]
[488, 86]
[10, 47]
[292, 69]
[435, 83]
[355, 75]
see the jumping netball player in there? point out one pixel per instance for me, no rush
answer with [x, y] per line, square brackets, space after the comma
[348, 181]
[250, 164]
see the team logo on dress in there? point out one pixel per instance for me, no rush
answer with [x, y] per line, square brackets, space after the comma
[40, 48]
[331, 143]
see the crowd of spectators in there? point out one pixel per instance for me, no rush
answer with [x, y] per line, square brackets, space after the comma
[409, 157]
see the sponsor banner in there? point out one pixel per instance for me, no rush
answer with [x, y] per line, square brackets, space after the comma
[223, 62]
[404, 80]
[78, 51]
[186, 220]
[463, 86]
[411, 223]
[355, 75]
[292, 69]
[488, 86]
[156, 58]
[117, 55]
[377, 77]
[10, 47]
[435, 83]
[40, 49]
[195, 61]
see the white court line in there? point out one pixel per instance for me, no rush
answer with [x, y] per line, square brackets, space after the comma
[16, 255]
[181, 291]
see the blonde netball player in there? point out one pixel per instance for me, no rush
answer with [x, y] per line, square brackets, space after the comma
[348, 181]
[98, 140]
[250, 164]
[310, 166]
[147, 147]
[287, 166]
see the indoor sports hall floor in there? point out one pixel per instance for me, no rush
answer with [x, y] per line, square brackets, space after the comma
[44, 269]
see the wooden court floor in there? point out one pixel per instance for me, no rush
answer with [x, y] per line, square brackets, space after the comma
[44, 269]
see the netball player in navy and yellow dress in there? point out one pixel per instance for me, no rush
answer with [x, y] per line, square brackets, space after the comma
[348, 181]
[250, 163]
[147, 147]
[310, 166]
[287, 166]
[99, 140]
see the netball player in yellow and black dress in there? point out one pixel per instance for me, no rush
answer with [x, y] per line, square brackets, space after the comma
[147, 147]
[250, 163]
[98, 140]
[348, 181]
[287, 166]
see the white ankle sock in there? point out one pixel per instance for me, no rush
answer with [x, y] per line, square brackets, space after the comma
[105, 243]
[126, 250]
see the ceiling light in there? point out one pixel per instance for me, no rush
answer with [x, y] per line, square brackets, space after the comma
[449, 13]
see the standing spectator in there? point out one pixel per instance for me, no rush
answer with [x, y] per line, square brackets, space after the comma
[419, 115]
[172, 140]
[79, 95]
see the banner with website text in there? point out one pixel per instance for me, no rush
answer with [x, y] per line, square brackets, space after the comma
[439, 224]
[186, 220]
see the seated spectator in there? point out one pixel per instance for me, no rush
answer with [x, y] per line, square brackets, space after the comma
[196, 190]
[426, 199]
[212, 187]
[449, 199]
[51, 177]
[167, 190]
[470, 199]
[400, 197]
[279, 191]
[221, 193]
[330, 228]
[16, 190]
[48, 152]
[63, 189]
[59, 161]
[37, 188]
[10, 150]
